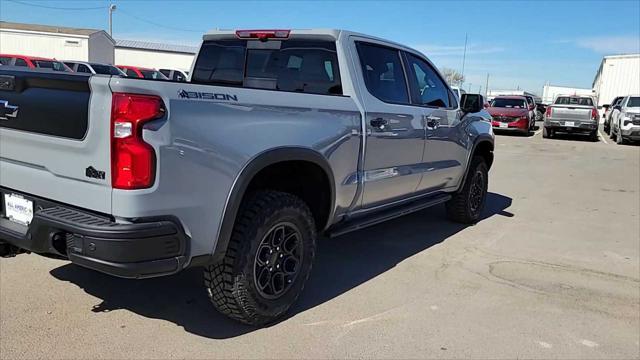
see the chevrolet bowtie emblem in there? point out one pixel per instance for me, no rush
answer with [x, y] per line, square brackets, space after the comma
[7, 111]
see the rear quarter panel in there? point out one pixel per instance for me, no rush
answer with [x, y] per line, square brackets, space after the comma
[203, 144]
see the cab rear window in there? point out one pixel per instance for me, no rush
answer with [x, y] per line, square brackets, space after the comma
[566, 100]
[290, 65]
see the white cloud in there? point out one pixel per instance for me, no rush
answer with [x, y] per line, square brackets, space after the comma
[610, 44]
[444, 50]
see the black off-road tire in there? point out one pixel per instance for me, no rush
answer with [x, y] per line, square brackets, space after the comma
[547, 133]
[593, 136]
[231, 284]
[606, 128]
[459, 207]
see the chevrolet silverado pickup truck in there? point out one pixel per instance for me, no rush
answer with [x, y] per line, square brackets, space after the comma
[280, 136]
[571, 114]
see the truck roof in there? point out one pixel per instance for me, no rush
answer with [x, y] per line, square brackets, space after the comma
[333, 34]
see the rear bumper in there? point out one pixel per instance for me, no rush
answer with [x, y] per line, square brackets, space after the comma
[578, 125]
[144, 248]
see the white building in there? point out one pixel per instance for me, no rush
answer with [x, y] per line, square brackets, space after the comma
[618, 75]
[154, 55]
[549, 92]
[62, 43]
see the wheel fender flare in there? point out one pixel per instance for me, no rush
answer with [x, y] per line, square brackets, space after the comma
[248, 172]
[482, 138]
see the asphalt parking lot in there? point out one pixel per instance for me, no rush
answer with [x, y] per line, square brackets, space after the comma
[552, 271]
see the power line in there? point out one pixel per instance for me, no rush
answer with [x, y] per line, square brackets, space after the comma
[157, 24]
[57, 7]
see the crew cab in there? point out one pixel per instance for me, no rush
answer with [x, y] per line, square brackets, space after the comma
[33, 62]
[280, 136]
[625, 120]
[571, 114]
[142, 72]
[511, 113]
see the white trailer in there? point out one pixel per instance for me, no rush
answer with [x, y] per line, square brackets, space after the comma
[549, 92]
[618, 75]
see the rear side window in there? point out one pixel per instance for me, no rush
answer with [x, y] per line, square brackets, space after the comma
[289, 65]
[105, 69]
[567, 100]
[83, 69]
[4, 60]
[21, 62]
[131, 73]
[383, 73]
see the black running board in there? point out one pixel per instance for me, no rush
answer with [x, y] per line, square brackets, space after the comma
[369, 220]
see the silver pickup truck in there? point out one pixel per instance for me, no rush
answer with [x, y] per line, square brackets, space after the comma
[571, 114]
[278, 137]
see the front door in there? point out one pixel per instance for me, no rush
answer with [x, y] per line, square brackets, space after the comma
[395, 132]
[445, 149]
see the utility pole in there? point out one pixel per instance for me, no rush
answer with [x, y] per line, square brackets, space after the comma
[464, 54]
[112, 8]
[486, 86]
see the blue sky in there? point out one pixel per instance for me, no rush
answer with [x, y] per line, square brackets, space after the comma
[519, 43]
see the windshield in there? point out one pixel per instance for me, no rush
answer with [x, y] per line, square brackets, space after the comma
[634, 102]
[50, 64]
[566, 100]
[105, 69]
[153, 74]
[509, 103]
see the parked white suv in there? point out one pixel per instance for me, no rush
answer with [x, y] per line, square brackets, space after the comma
[625, 120]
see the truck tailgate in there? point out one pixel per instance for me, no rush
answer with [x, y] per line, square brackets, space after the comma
[572, 112]
[55, 137]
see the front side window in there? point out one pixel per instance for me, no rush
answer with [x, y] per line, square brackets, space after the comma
[633, 102]
[383, 74]
[152, 74]
[83, 69]
[50, 64]
[21, 62]
[426, 86]
[289, 65]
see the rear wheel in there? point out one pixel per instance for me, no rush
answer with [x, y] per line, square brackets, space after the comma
[466, 205]
[593, 136]
[547, 133]
[268, 259]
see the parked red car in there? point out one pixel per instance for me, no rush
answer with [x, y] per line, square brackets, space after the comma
[511, 113]
[140, 72]
[33, 62]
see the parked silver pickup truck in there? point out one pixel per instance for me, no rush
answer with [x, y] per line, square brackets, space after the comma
[571, 114]
[278, 137]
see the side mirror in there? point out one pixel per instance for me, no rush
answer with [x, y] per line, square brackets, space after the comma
[606, 106]
[471, 103]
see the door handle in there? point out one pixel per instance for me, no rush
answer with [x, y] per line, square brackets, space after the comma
[378, 123]
[432, 122]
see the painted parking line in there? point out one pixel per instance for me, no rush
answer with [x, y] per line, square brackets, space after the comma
[602, 137]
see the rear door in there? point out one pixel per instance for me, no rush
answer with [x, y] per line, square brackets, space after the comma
[394, 127]
[55, 137]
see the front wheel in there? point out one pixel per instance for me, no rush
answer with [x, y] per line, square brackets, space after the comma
[466, 205]
[547, 133]
[619, 137]
[268, 259]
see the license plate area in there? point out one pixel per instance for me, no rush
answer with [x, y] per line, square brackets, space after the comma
[504, 125]
[569, 123]
[17, 209]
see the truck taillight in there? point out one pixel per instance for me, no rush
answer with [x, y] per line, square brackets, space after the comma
[133, 161]
[548, 112]
[594, 114]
